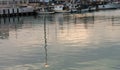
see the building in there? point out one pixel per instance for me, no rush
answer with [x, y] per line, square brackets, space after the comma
[12, 3]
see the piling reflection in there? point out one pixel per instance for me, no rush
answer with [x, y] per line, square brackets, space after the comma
[60, 20]
[115, 21]
[8, 24]
[69, 36]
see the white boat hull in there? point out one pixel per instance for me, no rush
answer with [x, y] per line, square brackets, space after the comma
[62, 11]
[45, 12]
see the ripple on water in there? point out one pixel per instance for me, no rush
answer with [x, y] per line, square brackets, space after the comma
[63, 42]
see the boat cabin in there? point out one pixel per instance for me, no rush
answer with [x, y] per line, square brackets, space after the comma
[61, 7]
[45, 9]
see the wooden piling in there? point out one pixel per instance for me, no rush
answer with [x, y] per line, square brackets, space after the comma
[8, 13]
[13, 12]
[3, 12]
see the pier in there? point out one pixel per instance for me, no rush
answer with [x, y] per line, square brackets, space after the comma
[20, 11]
[15, 8]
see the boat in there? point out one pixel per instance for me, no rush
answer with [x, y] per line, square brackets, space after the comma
[73, 6]
[61, 9]
[111, 5]
[45, 10]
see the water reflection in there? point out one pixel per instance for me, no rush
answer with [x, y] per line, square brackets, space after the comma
[8, 24]
[61, 21]
[115, 21]
[45, 47]
[75, 42]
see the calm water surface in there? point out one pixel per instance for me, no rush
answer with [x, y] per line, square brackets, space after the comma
[61, 42]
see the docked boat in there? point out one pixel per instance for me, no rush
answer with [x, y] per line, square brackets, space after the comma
[45, 10]
[73, 8]
[109, 6]
[61, 9]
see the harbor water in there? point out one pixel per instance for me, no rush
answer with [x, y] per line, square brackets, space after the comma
[61, 41]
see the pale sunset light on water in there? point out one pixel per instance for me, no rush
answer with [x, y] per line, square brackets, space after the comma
[61, 41]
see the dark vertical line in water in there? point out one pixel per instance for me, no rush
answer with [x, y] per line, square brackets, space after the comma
[93, 18]
[13, 19]
[45, 38]
[85, 22]
[22, 20]
[9, 25]
[61, 22]
[4, 19]
[75, 19]
[112, 20]
[9, 20]
[74, 22]
[16, 35]
[56, 31]
[68, 25]
[18, 18]
[0, 20]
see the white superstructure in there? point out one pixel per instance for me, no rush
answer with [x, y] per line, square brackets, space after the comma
[12, 3]
[61, 9]
[15, 6]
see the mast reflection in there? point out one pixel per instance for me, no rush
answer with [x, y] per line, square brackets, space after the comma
[45, 46]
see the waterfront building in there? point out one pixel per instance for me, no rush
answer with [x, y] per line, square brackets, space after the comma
[15, 7]
[12, 3]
